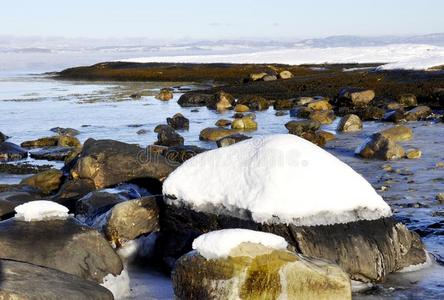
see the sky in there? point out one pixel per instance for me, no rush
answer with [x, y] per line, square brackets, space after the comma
[227, 19]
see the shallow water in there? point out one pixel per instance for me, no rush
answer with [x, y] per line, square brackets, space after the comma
[32, 104]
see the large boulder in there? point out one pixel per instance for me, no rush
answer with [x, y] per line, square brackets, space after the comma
[10, 151]
[418, 113]
[355, 96]
[322, 116]
[231, 139]
[47, 181]
[221, 101]
[380, 147]
[108, 162]
[274, 187]
[178, 121]
[20, 280]
[285, 74]
[252, 270]
[192, 99]
[254, 102]
[398, 133]
[215, 133]
[307, 129]
[52, 141]
[167, 136]
[407, 100]
[52, 153]
[245, 123]
[52, 239]
[350, 123]
[65, 131]
[165, 94]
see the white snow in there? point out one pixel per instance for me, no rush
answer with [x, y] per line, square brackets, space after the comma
[278, 178]
[402, 56]
[118, 285]
[219, 243]
[41, 210]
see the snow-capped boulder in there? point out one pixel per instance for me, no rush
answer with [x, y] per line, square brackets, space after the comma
[21, 280]
[43, 233]
[246, 264]
[288, 186]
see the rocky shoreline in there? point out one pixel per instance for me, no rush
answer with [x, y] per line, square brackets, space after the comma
[114, 190]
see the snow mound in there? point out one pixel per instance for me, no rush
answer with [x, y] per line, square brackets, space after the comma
[275, 179]
[41, 210]
[218, 244]
[118, 285]
[417, 63]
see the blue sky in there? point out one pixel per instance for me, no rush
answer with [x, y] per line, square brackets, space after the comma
[227, 19]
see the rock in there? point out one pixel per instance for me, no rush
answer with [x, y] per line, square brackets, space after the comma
[52, 153]
[59, 140]
[396, 116]
[142, 131]
[73, 190]
[178, 121]
[323, 116]
[314, 138]
[382, 240]
[320, 104]
[398, 133]
[10, 151]
[215, 133]
[413, 154]
[22, 280]
[24, 168]
[253, 271]
[108, 162]
[283, 104]
[3, 137]
[128, 220]
[328, 136]
[418, 113]
[254, 102]
[241, 108]
[300, 112]
[257, 76]
[192, 99]
[96, 203]
[223, 123]
[407, 100]
[167, 136]
[350, 123]
[356, 96]
[136, 96]
[299, 127]
[47, 181]
[285, 74]
[269, 78]
[179, 154]
[244, 123]
[394, 106]
[280, 113]
[221, 101]
[65, 131]
[380, 147]
[64, 245]
[231, 139]
[165, 94]
[304, 100]
[238, 116]
[440, 197]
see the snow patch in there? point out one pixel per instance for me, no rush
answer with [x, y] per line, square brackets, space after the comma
[41, 210]
[118, 285]
[218, 244]
[275, 179]
[140, 247]
[404, 56]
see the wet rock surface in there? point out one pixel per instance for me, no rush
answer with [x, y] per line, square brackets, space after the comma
[50, 243]
[27, 281]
